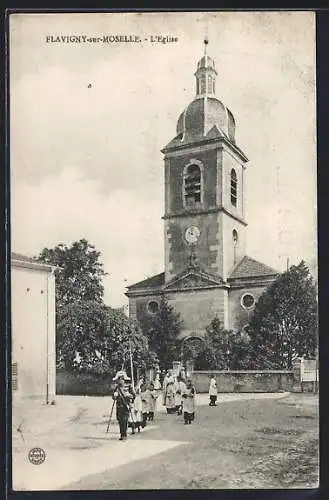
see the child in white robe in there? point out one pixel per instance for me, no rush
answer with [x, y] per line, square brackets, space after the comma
[189, 402]
[135, 417]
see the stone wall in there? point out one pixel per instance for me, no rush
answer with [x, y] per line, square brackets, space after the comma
[83, 384]
[177, 251]
[239, 317]
[247, 381]
[175, 179]
[198, 308]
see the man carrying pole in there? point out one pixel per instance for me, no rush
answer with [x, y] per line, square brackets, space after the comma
[123, 397]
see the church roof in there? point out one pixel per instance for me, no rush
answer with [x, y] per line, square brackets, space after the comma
[152, 282]
[201, 115]
[251, 268]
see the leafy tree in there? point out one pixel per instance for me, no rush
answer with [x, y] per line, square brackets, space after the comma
[80, 272]
[285, 321]
[240, 352]
[162, 330]
[219, 349]
[92, 337]
[89, 335]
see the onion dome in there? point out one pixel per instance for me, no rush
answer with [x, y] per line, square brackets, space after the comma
[206, 117]
[206, 111]
[202, 115]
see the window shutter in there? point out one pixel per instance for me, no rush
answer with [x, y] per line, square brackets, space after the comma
[14, 376]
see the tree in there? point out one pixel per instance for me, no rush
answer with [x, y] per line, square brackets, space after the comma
[89, 335]
[80, 272]
[162, 330]
[285, 321]
[219, 349]
[92, 337]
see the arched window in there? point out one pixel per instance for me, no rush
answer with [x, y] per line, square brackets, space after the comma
[209, 83]
[203, 84]
[192, 185]
[235, 244]
[213, 86]
[234, 187]
[153, 307]
[197, 86]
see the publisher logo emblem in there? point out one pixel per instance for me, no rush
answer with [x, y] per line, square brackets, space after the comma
[37, 456]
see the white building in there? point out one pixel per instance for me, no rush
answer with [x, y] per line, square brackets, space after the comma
[33, 328]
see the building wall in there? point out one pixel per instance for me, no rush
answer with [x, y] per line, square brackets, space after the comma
[230, 254]
[229, 161]
[215, 248]
[239, 317]
[177, 250]
[141, 303]
[174, 178]
[198, 308]
[33, 331]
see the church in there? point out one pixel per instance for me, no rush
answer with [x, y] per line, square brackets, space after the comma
[206, 270]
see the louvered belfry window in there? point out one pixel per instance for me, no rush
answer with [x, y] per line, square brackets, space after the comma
[192, 185]
[234, 187]
[14, 376]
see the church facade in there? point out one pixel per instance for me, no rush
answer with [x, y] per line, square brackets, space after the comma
[206, 270]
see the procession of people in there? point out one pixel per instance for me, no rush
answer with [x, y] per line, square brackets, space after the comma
[136, 406]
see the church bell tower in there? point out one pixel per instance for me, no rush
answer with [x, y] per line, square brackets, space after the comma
[207, 273]
[204, 220]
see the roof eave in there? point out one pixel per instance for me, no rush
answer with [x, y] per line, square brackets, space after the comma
[33, 265]
[137, 292]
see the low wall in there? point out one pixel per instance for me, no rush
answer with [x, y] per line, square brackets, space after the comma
[83, 384]
[247, 381]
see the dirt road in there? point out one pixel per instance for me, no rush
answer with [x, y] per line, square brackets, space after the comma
[270, 443]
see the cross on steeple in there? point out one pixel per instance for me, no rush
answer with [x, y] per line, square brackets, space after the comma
[205, 41]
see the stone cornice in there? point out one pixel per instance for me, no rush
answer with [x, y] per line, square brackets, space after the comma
[200, 211]
[252, 281]
[197, 288]
[203, 145]
[37, 266]
[144, 292]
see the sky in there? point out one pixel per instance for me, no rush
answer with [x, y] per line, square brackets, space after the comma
[88, 122]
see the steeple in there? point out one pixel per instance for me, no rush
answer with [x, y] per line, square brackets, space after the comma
[205, 74]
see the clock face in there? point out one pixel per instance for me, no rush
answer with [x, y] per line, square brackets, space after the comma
[192, 234]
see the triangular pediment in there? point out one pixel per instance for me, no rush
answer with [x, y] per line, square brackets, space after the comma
[193, 279]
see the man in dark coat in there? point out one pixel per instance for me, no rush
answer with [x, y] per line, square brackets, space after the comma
[123, 397]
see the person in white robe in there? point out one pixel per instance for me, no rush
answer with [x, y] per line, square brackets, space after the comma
[189, 395]
[169, 392]
[135, 418]
[180, 386]
[212, 391]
